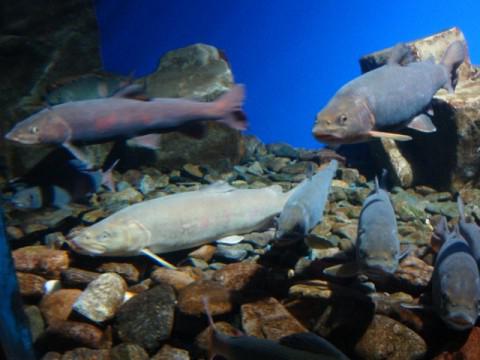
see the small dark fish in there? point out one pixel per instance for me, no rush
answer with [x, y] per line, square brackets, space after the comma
[298, 346]
[455, 280]
[304, 208]
[15, 337]
[377, 246]
[388, 98]
[469, 230]
[121, 117]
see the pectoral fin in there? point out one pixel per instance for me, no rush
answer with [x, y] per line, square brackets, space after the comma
[230, 240]
[422, 123]
[149, 141]
[79, 154]
[157, 258]
[386, 135]
[347, 270]
[417, 307]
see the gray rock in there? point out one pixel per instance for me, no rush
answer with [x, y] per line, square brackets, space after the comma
[146, 184]
[168, 352]
[255, 169]
[35, 320]
[229, 253]
[349, 175]
[147, 318]
[259, 239]
[127, 351]
[254, 148]
[448, 209]
[101, 298]
[283, 150]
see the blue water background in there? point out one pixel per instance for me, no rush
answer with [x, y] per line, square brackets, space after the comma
[292, 55]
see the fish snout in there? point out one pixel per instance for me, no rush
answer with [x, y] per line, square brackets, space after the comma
[84, 242]
[460, 320]
[22, 137]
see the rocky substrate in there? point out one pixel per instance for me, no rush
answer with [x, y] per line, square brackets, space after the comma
[83, 307]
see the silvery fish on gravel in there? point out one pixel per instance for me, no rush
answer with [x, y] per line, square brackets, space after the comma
[388, 98]
[469, 230]
[455, 280]
[181, 221]
[304, 209]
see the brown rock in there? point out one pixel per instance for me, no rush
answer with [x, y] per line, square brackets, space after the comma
[414, 271]
[223, 327]
[51, 355]
[178, 279]
[241, 276]
[78, 277]
[267, 318]
[86, 354]
[81, 333]
[204, 252]
[128, 271]
[128, 351]
[168, 352]
[386, 338]
[14, 232]
[41, 260]
[469, 351]
[190, 298]
[58, 305]
[30, 284]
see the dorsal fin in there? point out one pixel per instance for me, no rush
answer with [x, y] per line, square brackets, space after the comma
[400, 52]
[131, 91]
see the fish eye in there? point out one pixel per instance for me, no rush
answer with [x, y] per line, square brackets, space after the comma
[34, 129]
[342, 119]
[104, 236]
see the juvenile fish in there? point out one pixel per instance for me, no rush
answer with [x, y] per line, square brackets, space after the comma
[377, 248]
[469, 230]
[181, 221]
[293, 347]
[119, 116]
[388, 98]
[304, 209]
[455, 281]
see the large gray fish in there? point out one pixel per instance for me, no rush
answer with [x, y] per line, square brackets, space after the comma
[377, 248]
[181, 221]
[120, 116]
[304, 209]
[297, 346]
[388, 98]
[469, 230]
[455, 280]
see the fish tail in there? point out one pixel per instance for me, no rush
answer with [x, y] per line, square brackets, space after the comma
[452, 59]
[230, 110]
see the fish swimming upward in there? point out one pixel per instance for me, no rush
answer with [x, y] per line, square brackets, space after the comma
[377, 249]
[304, 209]
[181, 221]
[120, 116]
[469, 230]
[388, 98]
[299, 346]
[455, 280]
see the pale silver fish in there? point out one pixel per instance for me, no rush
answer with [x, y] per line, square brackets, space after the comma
[304, 209]
[181, 221]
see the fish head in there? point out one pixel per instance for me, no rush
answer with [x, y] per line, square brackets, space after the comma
[44, 127]
[120, 238]
[459, 298]
[346, 119]
[378, 252]
[28, 198]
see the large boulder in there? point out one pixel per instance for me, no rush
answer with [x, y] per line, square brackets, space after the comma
[448, 159]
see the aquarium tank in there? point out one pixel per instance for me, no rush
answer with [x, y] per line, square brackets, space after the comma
[199, 180]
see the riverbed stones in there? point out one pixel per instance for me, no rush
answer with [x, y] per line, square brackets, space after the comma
[191, 298]
[41, 260]
[58, 305]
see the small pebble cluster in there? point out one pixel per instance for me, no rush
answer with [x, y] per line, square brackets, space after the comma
[83, 307]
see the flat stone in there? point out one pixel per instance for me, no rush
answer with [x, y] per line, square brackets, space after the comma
[275, 164]
[128, 196]
[94, 216]
[283, 150]
[204, 252]
[31, 284]
[269, 319]
[147, 318]
[193, 171]
[178, 279]
[58, 305]
[191, 297]
[241, 276]
[41, 260]
[259, 239]
[76, 277]
[386, 338]
[414, 272]
[146, 184]
[81, 333]
[168, 352]
[101, 298]
[448, 209]
[86, 354]
[128, 271]
[128, 352]
[230, 253]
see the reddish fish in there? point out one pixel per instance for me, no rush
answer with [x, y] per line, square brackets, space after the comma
[120, 116]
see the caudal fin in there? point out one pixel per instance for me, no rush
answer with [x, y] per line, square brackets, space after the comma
[229, 107]
[452, 59]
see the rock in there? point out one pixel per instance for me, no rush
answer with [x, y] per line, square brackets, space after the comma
[54, 240]
[30, 284]
[283, 150]
[128, 271]
[147, 318]
[58, 305]
[101, 298]
[178, 279]
[86, 354]
[241, 276]
[81, 333]
[35, 321]
[447, 158]
[128, 352]
[204, 252]
[254, 148]
[269, 319]
[193, 171]
[14, 232]
[415, 272]
[230, 253]
[350, 176]
[75, 277]
[146, 185]
[259, 239]
[469, 350]
[93, 216]
[127, 196]
[51, 355]
[202, 339]
[448, 209]
[168, 352]
[41, 260]
[322, 289]
[190, 298]
[386, 338]
[275, 164]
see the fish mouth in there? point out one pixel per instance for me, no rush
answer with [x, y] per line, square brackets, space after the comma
[460, 321]
[23, 139]
[81, 246]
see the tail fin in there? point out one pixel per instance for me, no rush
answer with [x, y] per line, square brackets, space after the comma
[452, 59]
[461, 208]
[229, 106]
